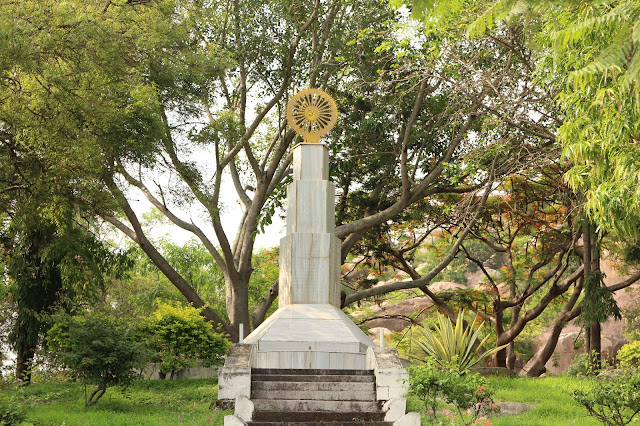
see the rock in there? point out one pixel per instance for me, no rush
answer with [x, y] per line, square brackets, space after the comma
[442, 286]
[476, 277]
[513, 408]
[494, 371]
[409, 307]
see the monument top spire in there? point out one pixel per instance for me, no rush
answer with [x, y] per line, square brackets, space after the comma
[312, 113]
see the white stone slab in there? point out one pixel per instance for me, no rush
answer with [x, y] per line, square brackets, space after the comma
[409, 419]
[244, 408]
[234, 421]
[311, 161]
[283, 340]
[310, 206]
[309, 269]
[394, 409]
[322, 360]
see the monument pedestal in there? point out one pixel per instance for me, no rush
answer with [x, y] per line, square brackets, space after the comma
[310, 336]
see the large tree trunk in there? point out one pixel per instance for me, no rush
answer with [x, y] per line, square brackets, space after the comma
[536, 365]
[238, 309]
[24, 362]
[591, 260]
[500, 358]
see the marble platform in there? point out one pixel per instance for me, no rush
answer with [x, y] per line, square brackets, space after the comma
[318, 336]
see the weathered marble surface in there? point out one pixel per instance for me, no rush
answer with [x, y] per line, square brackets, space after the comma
[309, 336]
[234, 378]
[309, 269]
[310, 206]
[392, 380]
[311, 161]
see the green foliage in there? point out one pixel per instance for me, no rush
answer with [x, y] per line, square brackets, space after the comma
[454, 346]
[598, 304]
[265, 271]
[97, 348]
[631, 315]
[467, 393]
[629, 355]
[51, 264]
[11, 412]
[582, 365]
[179, 337]
[612, 400]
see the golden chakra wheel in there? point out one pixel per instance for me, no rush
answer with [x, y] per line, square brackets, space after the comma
[312, 113]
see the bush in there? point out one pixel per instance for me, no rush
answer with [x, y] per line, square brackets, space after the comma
[10, 413]
[179, 337]
[629, 355]
[98, 349]
[612, 400]
[582, 366]
[467, 393]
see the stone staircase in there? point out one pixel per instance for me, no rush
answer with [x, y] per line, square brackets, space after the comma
[294, 397]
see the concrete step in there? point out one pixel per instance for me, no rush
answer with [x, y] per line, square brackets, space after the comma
[305, 417]
[313, 386]
[311, 378]
[310, 372]
[318, 395]
[315, 405]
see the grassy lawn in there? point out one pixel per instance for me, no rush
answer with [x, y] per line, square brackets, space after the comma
[186, 402]
[551, 397]
[150, 402]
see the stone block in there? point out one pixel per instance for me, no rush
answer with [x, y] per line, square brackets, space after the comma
[309, 269]
[409, 419]
[311, 161]
[234, 421]
[382, 393]
[392, 380]
[235, 376]
[244, 408]
[394, 409]
[233, 382]
[310, 207]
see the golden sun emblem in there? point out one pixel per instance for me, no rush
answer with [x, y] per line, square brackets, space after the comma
[312, 113]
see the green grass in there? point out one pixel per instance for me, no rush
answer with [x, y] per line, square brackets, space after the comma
[186, 402]
[150, 402]
[551, 397]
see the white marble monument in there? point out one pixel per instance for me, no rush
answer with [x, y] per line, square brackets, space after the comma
[309, 331]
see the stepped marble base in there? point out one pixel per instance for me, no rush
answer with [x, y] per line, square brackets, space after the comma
[309, 336]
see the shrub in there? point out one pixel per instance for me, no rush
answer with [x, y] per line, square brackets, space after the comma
[582, 366]
[629, 355]
[467, 393]
[453, 346]
[98, 349]
[612, 400]
[179, 337]
[10, 413]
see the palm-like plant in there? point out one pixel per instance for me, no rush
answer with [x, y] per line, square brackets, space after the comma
[453, 346]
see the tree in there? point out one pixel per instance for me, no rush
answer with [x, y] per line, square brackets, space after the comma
[169, 99]
[584, 52]
[52, 258]
[589, 49]
[98, 349]
[152, 69]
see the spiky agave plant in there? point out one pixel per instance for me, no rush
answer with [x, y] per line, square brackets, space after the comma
[454, 346]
